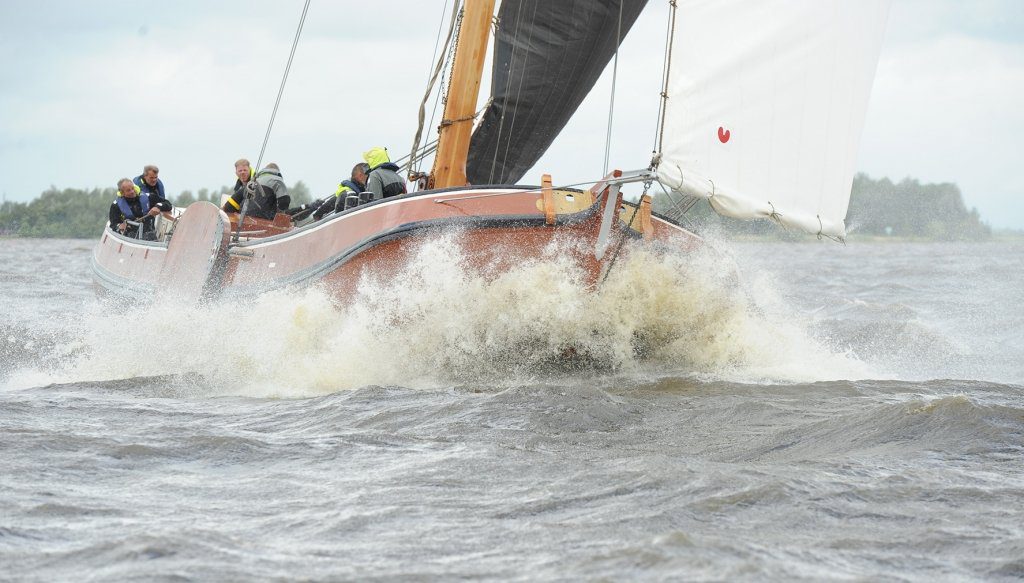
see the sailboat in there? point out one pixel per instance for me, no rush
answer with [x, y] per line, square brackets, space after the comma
[761, 113]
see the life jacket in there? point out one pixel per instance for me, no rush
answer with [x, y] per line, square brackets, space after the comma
[347, 187]
[126, 209]
[144, 186]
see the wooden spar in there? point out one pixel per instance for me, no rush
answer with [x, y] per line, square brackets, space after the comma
[548, 198]
[646, 226]
[457, 124]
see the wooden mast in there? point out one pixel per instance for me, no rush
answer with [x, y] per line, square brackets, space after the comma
[457, 124]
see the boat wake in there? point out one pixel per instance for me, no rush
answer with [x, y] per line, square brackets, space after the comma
[438, 323]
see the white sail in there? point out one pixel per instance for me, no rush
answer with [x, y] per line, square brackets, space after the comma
[766, 105]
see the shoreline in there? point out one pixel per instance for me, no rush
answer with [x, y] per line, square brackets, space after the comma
[874, 239]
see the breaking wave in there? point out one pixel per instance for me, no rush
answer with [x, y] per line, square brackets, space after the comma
[438, 323]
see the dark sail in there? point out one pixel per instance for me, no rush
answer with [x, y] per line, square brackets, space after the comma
[547, 56]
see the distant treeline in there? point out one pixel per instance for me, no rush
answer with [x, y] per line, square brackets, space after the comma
[877, 208]
[912, 209]
[80, 214]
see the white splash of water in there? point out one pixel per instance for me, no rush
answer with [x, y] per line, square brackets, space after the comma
[437, 323]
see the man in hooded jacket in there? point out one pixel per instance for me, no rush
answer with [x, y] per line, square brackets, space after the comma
[382, 179]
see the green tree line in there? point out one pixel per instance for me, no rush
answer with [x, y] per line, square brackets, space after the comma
[911, 209]
[877, 208]
[74, 213]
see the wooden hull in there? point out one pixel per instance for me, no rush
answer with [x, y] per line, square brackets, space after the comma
[497, 227]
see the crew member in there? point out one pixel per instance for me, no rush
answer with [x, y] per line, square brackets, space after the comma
[149, 182]
[335, 203]
[382, 179]
[132, 204]
[243, 172]
[354, 186]
[341, 201]
[266, 190]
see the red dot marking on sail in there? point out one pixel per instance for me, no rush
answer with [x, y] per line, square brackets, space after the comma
[723, 135]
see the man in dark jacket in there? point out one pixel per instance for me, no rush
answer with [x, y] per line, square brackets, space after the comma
[150, 183]
[133, 205]
[243, 172]
[352, 192]
[267, 191]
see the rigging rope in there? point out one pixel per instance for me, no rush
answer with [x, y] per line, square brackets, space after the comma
[663, 106]
[437, 41]
[426, 150]
[433, 79]
[681, 210]
[284, 79]
[625, 230]
[273, 114]
[611, 103]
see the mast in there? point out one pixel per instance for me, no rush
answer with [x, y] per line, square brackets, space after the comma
[457, 124]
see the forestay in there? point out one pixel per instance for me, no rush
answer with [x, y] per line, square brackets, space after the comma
[766, 105]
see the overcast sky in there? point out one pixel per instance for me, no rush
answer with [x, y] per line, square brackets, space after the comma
[92, 91]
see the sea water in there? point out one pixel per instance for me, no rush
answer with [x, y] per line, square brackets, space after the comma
[748, 411]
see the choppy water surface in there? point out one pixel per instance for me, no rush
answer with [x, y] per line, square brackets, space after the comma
[760, 411]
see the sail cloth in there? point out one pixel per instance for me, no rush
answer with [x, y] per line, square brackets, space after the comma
[766, 106]
[547, 56]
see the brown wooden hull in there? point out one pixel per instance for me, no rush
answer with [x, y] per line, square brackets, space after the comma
[497, 228]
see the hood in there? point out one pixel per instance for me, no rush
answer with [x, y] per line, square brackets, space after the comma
[376, 156]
